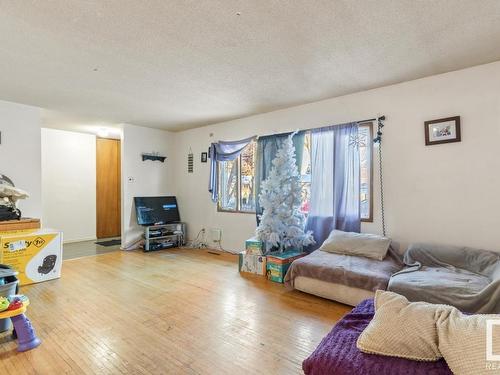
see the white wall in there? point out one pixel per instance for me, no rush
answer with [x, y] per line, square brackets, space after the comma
[69, 183]
[148, 178]
[444, 193]
[20, 152]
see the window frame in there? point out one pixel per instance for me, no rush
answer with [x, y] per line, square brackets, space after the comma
[369, 125]
[238, 209]
[369, 219]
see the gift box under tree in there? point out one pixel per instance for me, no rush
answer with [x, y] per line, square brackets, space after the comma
[278, 264]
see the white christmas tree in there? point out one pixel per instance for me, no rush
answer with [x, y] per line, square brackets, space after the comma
[282, 223]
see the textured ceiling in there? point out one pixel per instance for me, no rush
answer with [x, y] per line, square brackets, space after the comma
[181, 64]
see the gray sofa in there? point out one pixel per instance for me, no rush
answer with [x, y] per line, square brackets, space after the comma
[466, 278]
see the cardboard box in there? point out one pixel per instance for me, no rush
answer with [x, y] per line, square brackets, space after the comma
[279, 263]
[23, 224]
[277, 272]
[35, 254]
[252, 263]
[285, 257]
[254, 246]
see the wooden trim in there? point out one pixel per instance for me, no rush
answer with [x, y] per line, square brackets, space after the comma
[22, 224]
[369, 219]
[235, 212]
[458, 138]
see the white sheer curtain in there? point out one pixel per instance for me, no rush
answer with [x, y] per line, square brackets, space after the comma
[322, 182]
[335, 181]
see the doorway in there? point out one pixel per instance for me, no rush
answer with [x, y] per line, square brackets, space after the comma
[108, 188]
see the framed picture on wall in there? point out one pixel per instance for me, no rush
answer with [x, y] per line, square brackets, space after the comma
[443, 130]
[204, 157]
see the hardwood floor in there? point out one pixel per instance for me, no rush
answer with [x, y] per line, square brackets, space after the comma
[86, 248]
[179, 311]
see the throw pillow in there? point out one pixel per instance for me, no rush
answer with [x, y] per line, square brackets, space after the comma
[462, 342]
[358, 244]
[402, 329]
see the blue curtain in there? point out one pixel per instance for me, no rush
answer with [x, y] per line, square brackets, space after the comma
[335, 181]
[223, 151]
[267, 147]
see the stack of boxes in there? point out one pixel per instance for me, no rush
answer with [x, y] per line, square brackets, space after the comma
[252, 259]
[274, 265]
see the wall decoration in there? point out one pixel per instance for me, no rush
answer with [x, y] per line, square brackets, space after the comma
[204, 157]
[154, 156]
[443, 130]
[190, 161]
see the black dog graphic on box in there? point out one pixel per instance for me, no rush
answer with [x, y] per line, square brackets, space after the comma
[48, 264]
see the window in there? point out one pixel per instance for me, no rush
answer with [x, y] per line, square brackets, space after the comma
[365, 157]
[237, 181]
[366, 160]
[305, 174]
[237, 178]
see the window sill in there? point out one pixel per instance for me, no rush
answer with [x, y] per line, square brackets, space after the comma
[235, 212]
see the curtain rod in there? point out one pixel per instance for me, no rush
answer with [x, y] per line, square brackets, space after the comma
[372, 119]
[379, 118]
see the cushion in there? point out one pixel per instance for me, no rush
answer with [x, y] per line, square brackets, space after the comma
[357, 272]
[402, 329]
[433, 283]
[337, 353]
[462, 342]
[358, 244]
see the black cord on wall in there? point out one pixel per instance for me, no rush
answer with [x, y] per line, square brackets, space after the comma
[378, 140]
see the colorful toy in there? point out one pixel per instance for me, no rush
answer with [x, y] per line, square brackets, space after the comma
[26, 337]
[15, 304]
[4, 304]
[21, 297]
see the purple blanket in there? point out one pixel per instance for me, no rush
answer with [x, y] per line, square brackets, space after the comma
[337, 353]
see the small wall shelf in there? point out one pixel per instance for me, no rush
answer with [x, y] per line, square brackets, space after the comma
[153, 157]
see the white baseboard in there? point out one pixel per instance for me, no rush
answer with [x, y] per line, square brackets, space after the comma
[132, 245]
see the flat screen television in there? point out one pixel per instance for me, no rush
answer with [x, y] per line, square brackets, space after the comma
[156, 210]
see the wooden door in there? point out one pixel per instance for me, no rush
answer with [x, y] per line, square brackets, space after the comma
[108, 200]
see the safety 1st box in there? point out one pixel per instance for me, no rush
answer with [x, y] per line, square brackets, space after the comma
[35, 254]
